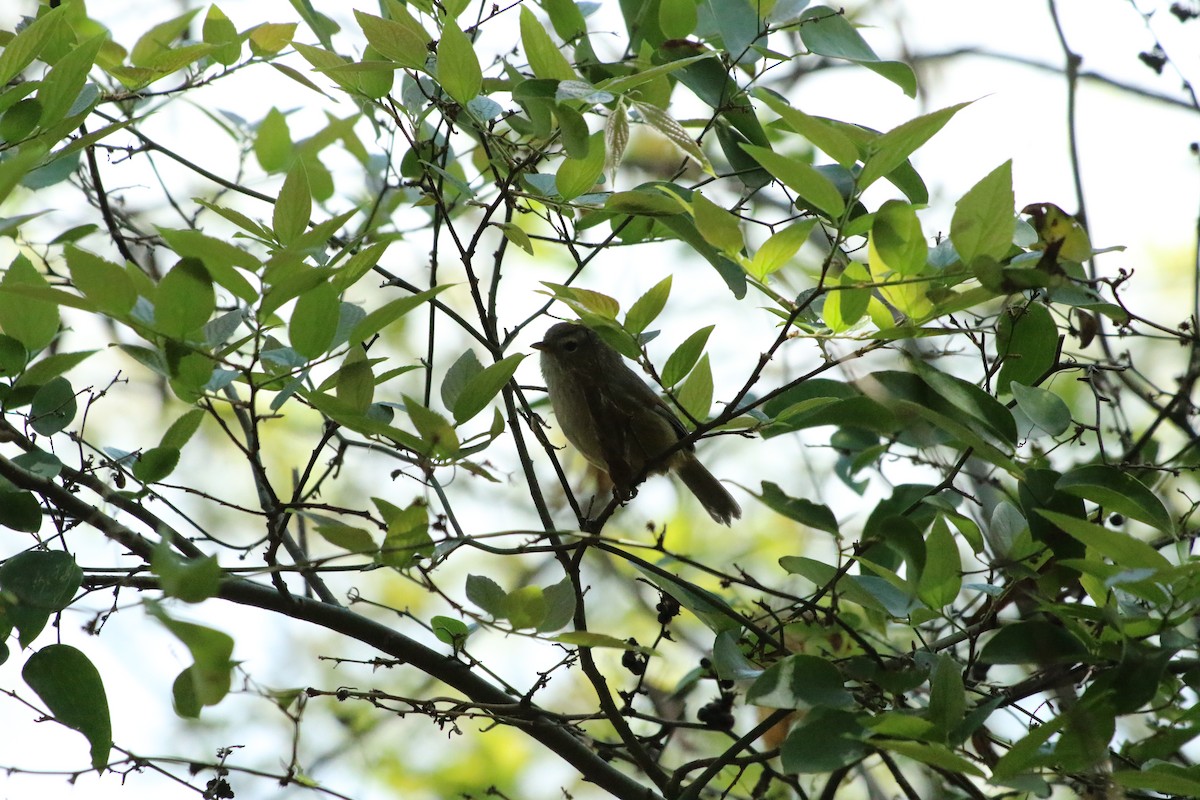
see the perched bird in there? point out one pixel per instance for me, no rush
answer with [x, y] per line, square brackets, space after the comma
[617, 422]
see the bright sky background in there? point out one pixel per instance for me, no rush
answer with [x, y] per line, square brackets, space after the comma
[1139, 177]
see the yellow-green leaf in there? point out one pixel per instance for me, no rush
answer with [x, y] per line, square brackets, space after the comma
[405, 44]
[718, 227]
[458, 66]
[578, 175]
[779, 249]
[294, 205]
[545, 56]
[802, 178]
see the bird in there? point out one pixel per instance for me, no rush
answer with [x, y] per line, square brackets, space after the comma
[617, 422]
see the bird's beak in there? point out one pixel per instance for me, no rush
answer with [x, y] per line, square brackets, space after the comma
[540, 346]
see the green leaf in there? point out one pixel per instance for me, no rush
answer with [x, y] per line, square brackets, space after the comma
[288, 282]
[221, 33]
[643, 203]
[270, 38]
[13, 358]
[953, 397]
[184, 300]
[1117, 546]
[182, 429]
[208, 680]
[1163, 778]
[404, 42]
[849, 298]
[560, 606]
[355, 383]
[189, 370]
[546, 58]
[585, 301]
[16, 168]
[185, 693]
[70, 686]
[20, 51]
[566, 17]
[517, 235]
[41, 371]
[358, 265]
[526, 607]
[104, 283]
[826, 32]
[1030, 751]
[32, 322]
[574, 130]
[800, 681]
[62, 85]
[191, 580]
[347, 537]
[850, 412]
[897, 241]
[385, 315]
[680, 362]
[1084, 741]
[155, 464]
[1117, 491]
[484, 386]
[591, 639]
[647, 307]
[487, 594]
[800, 176]
[947, 695]
[53, 406]
[438, 436]
[1027, 341]
[894, 147]
[806, 512]
[728, 660]
[407, 538]
[983, 219]
[457, 65]
[578, 175]
[778, 250]
[1033, 642]
[39, 463]
[718, 227]
[315, 320]
[453, 632]
[20, 511]
[827, 138]
[962, 431]
[936, 755]
[293, 208]
[1044, 408]
[20, 119]
[941, 579]
[696, 393]
[159, 39]
[683, 227]
[273, 145]
[677, 18]
[827, 739]
[43, 579]
[464, 368]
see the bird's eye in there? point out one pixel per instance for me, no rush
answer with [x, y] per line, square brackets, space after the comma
[571, 346]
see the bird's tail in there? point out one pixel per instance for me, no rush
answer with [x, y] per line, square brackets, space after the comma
[717, 501]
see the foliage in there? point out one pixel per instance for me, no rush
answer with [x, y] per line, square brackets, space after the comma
[1004, 606]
